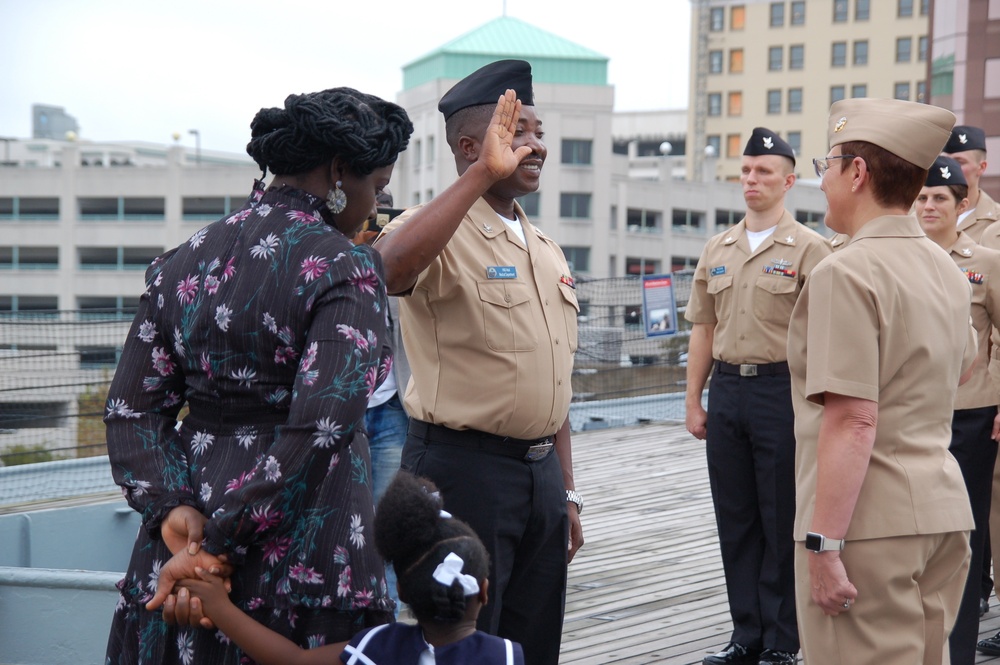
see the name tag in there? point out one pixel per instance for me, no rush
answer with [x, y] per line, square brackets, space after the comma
[718, 270]
[501, 272]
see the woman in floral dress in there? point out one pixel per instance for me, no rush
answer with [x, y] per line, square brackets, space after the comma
[270, 326]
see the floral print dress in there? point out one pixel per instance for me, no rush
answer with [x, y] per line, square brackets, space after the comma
[270, 326]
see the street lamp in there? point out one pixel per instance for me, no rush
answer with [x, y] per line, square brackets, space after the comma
[197, 145]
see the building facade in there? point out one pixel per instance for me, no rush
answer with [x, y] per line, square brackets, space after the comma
[780, 64]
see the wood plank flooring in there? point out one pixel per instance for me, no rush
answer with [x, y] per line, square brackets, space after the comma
[647, 587]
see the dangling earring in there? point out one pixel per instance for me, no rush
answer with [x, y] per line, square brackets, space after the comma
[336, 199]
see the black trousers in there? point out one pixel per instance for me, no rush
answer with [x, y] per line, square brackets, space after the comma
[518, 509]
[750, 449]
[976, 453]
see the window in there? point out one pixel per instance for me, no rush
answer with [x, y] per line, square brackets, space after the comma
[922, 49]
[837, 92]
[578, 258]
[29, 258]
[795, 140]
[117, 258]
[576, 151]
[735, 104]
[37, 306]
[643, 221]
[727, 217]
[530, 204]
[924, 7]
[119, 308]
[736, 61]
[681, 263]
[638, 266]
[22, 207]
[840, 11]
[737, 17]
[777, 14]
[574, 205]
[798, 12]
[796, 56]
[734, 146]
[921, 92]
[773, 101]
[859, 90]
[715, 62]
[861, 52]
[713, 144]
[417, 153]
[904, 49]
[810, 218]
[209, 208]
[430, 151]
[122, 208]
[687, 220]
[838, 54]
[862, 10]
[717, 19]
[795, 100]
[775, 55]
[904, 8]
[902, 91]
[714, 103]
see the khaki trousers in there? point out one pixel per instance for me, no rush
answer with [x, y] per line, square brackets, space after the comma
[909, 590]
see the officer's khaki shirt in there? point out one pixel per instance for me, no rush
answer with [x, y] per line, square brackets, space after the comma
[749, 297]
[886, 319]
[981, 266]
[490, 329]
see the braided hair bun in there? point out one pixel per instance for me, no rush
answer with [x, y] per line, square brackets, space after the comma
[412, 535]
[365, 131]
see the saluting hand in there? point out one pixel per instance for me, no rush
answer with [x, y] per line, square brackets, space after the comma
[496, 154]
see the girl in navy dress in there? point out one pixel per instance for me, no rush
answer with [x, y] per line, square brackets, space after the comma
[442, 570]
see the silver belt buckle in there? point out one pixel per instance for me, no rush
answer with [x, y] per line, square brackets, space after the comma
[538, 451]
[748, 370]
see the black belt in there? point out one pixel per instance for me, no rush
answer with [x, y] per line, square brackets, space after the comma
[529, 451]
[749, 370]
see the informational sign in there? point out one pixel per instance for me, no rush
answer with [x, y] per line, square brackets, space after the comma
[659, 309]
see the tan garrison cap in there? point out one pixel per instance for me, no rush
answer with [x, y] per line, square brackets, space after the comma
[915, 132]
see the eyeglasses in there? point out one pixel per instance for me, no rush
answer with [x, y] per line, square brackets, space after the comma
[821, 164]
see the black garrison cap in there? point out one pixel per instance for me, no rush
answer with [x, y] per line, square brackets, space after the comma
[945, 171]
[765, 142]
[486, 84]
[965, 137]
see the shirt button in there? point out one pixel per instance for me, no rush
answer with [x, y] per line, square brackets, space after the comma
[742, 337]
[744, 285]
[506, 298]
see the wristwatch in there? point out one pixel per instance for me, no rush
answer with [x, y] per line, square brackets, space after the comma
[574, 496]
[817, 542]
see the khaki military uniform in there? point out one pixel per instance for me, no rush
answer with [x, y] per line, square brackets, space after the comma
[886, 319]
[490, 329]
[839, 241]
[986, 213]
[750, 443]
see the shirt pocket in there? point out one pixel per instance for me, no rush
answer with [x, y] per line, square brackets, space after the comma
[720, 288]
[571, 312]
[774, 297]
[508, 319]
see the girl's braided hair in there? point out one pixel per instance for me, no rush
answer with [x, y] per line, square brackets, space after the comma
[411, 534]
[365, 131]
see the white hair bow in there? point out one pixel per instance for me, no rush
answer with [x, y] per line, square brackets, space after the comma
[450, 570]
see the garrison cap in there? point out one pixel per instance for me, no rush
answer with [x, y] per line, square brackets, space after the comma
[487, 84]
[765, 142]
[910, 130]
[965, 137]
[945, 171]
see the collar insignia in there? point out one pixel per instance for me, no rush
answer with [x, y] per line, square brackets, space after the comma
[840, 124]
[487, 228]
[966, 252]
[790, 240]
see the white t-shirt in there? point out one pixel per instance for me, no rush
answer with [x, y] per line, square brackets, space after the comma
[755, 238]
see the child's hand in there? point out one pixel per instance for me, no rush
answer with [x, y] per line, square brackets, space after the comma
[209, 597]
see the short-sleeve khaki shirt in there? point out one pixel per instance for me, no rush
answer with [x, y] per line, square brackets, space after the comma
[886, 319]
[981, 266]
[749, 296]
[490, 329]
[986, 213]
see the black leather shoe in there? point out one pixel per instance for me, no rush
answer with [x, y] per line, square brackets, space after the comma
[734, 654]
[772, 657]
[984, 606]
[991, 645]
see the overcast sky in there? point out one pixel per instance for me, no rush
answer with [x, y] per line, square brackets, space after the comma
[144, 69]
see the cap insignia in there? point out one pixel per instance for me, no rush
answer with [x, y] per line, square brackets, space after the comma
[945, 173]
[840, 124]
[768, 142]
[963, 139]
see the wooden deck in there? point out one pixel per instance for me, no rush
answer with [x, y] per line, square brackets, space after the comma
[647, 587]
